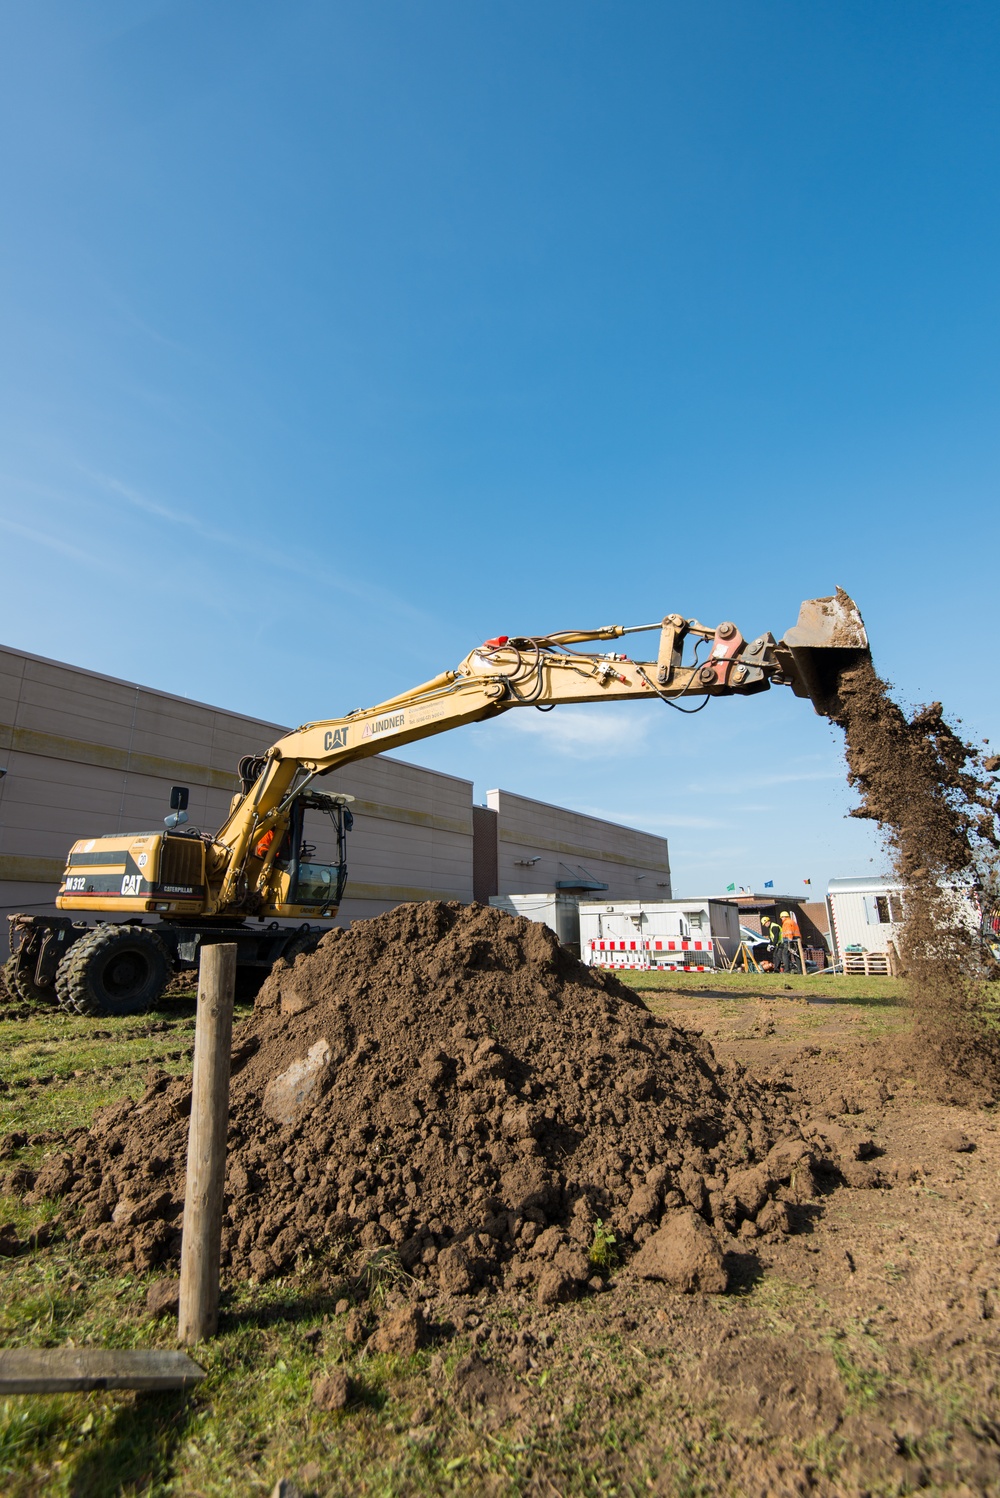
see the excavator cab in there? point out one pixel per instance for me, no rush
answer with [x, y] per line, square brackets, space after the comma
[301, 885]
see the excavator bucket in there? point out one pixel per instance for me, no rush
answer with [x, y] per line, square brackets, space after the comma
[829, 636]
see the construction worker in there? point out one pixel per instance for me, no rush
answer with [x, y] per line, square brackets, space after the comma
[790, 936]
[771, 933]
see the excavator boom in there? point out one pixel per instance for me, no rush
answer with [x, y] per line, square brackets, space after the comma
[542, 671]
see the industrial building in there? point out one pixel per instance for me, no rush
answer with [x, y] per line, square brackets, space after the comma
[87, 754]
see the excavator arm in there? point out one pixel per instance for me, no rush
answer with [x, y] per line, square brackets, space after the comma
[540, 671]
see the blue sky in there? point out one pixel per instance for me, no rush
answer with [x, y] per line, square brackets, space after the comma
[335, 338]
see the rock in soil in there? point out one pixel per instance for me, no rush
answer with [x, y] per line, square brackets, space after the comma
[163, 1297]
[683, 1254]
[286, 1488]
[461, 1095]
[294, 1094]
[403, 1332]
[10, 1243]
[332, 1391]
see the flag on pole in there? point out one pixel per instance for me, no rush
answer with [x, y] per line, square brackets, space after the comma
[807, 881]
[768, 883]
[730, 888]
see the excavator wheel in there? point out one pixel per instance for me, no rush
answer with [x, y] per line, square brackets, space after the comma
[250, 980]
[21, 986]
[306, 941]
[113, 970]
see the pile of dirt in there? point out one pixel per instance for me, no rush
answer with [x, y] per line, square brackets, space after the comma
[936, 798]
[448, 1082]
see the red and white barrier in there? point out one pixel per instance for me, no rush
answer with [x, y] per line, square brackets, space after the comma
[653, 944]
[635, 954]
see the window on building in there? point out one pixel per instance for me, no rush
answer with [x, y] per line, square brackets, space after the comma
[888, 909]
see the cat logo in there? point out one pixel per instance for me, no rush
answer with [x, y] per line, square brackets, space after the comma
[335, 738]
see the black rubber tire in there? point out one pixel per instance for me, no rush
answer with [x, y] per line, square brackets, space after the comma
[22, 988]
[249, 982]
[113, 970]
[304, 941]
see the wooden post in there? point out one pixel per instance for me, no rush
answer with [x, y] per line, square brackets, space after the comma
[206, 1160]
[802, 956]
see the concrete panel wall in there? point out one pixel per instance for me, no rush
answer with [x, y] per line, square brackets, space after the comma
[542, 847]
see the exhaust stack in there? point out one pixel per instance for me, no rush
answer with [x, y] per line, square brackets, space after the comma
[829, 636]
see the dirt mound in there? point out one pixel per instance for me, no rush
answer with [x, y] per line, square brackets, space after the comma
[447, 1082]
[936, 797]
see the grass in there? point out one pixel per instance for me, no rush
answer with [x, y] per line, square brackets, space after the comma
[598, 1419]
[57, 1069]
[250, 1422]
[775, 1007]
[835, 987]
[863, 1385]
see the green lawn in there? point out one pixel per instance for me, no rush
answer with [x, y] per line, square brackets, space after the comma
[57, 1069]
[850, 990]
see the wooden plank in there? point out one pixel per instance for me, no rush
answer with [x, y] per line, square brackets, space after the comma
[57, 1370]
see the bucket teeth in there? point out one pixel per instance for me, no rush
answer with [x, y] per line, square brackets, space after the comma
[830, 635]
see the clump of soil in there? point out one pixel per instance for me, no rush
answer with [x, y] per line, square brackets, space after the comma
[936, 798]
[448, 1083]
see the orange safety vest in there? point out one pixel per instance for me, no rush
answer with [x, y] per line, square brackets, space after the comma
[265, 843]
[790, 929]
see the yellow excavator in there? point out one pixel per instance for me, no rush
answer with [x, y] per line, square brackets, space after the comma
[167, 893]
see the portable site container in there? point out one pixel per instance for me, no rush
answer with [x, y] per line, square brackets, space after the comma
[557, 910]
[865, 916]
[696, 934]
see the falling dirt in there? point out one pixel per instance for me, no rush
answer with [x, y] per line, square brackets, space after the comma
[448, 1083]
[935, 796]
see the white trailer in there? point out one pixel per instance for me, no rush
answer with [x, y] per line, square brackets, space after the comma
[557, 910]
[865, 915]
[691, 935]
